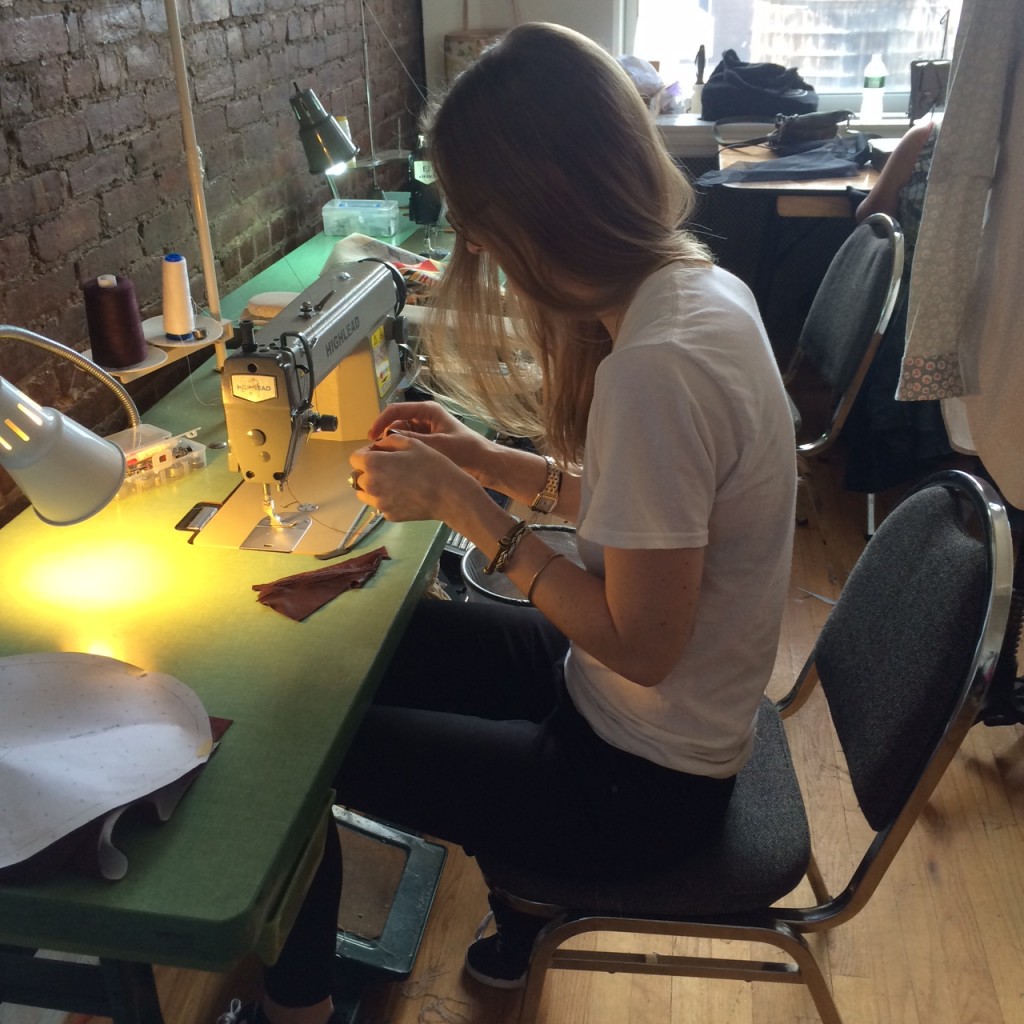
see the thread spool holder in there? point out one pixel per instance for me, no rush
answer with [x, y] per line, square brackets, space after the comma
[175, 352]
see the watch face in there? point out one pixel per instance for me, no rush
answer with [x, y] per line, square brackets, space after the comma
[545, 503]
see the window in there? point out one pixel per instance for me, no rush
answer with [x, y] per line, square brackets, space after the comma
[829, 41]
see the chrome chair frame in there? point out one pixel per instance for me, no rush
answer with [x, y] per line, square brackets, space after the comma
[883, 227]
[783, 927]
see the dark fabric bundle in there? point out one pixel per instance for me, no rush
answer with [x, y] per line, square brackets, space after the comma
[300, 595]
[841, 158]
[737, 88]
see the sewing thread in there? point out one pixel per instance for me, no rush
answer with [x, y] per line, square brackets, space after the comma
[179, 316]
[114, 321]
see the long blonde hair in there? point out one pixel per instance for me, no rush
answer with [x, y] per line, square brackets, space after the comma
[550, 161]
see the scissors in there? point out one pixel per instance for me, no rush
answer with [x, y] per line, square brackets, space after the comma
[356, 533]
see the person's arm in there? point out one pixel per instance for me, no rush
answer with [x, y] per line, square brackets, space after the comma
[885, 193]
[512, 471]
[637, 620]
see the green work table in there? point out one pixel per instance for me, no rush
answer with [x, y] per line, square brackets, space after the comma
[224, 876]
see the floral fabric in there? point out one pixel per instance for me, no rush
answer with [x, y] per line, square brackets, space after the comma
[942, 332]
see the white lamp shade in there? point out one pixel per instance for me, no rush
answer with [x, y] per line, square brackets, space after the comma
[66, 471]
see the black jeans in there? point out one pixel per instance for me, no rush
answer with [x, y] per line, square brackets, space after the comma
[472, 738]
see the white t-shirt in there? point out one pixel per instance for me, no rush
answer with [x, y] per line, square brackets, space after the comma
[690, 444]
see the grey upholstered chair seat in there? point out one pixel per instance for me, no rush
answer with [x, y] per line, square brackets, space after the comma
[760, 856]
[903, 662]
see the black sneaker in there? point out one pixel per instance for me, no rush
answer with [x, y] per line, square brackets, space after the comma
[501, 960]
[239, 1013]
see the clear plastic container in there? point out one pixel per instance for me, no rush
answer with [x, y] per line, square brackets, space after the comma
[377, 217]
[153, 457]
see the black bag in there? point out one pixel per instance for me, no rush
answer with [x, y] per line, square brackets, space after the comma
[737, 88]
[791, 134]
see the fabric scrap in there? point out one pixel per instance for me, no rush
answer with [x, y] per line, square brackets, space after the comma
[299, 596]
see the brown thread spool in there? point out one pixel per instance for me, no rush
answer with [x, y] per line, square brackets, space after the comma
[115, 323]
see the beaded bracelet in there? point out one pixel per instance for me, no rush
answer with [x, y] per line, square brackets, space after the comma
[537, 574]
[507, 547]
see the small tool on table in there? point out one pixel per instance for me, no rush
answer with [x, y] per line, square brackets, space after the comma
[356, 533]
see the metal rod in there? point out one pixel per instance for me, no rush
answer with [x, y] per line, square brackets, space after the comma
[193, 160]
[369, 98]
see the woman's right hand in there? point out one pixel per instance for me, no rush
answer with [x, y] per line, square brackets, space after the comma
[435, 426]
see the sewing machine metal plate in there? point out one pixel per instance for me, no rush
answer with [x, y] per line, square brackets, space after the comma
[320, 478]
[283, 535]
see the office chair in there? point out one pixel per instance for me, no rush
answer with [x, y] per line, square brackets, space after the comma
[839, 340]
[904, 661]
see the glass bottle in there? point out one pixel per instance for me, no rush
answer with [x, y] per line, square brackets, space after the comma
[424, 198]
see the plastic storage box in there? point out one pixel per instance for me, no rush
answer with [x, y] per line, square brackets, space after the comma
[153, 457]
[377, 217]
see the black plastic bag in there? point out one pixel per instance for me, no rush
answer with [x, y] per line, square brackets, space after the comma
[737, 88]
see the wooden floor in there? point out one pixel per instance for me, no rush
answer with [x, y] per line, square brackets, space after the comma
[942, 942]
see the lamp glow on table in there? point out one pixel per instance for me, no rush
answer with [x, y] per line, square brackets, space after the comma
[65, 470]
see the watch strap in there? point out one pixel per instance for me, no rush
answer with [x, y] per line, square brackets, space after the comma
[547, 498]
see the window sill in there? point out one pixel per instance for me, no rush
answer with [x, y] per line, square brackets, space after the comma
[686, 135]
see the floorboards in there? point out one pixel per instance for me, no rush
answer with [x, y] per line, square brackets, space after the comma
[942, 941]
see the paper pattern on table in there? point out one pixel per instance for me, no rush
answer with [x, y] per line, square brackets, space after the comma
[82, 734]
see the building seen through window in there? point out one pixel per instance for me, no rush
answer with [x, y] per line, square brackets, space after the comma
[829, 41]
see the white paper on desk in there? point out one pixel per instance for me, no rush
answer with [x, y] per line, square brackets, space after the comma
[81, 735]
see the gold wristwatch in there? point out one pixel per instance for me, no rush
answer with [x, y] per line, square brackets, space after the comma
[547, 499]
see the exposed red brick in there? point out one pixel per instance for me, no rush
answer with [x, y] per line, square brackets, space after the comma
[93, 177]
[31, 39]
[57, 239]
[51, 138]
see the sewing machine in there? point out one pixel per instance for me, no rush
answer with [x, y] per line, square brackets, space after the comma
[323, 368]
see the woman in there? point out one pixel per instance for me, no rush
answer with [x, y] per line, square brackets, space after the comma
[560, 735]
[900, 188]
[890, 442]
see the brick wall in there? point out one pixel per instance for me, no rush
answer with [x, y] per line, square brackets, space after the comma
[93, 176]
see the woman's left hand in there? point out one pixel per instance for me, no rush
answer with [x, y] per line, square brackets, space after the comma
[405, 479]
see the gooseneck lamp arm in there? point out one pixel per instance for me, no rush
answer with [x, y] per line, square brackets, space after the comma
[64, 352]
[67, 472]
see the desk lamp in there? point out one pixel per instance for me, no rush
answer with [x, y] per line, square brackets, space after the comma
[328, 148]
[66, 471]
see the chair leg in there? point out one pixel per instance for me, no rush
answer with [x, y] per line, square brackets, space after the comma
[869, 532]
[805, 484]
[536, 975]
[812, 976]
[803, 970]
[818, 887]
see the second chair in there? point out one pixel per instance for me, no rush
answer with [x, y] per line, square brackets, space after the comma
[840, 337]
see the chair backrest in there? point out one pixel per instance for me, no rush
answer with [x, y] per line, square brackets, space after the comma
[908, 651]
[849, 315]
